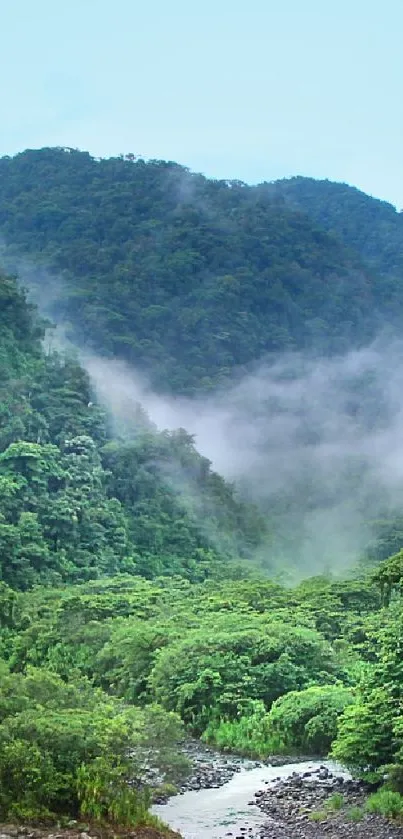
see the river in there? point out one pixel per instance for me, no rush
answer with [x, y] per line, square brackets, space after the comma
[227, 811]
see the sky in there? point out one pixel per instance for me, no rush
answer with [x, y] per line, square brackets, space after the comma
[254, 90]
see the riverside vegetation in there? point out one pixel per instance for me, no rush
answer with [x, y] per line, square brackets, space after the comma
[124, 625]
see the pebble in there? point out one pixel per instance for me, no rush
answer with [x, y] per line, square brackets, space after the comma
[289, 802]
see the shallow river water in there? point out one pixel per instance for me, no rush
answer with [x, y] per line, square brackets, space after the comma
[219, 813]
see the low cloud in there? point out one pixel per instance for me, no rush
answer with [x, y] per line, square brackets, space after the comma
[318, 444]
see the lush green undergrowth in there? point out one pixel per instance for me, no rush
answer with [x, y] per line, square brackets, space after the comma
[384, 802]
[299, 722]
[130, 616]
[98, 680]
[68, 748]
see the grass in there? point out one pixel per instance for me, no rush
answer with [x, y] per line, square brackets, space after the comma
[385, 802]
[317, 816]
[334, 803]
[355, 814]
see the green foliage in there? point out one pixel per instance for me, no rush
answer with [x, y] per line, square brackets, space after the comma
[215, 670]
[122, 558]
[247, 735]
[186, 277]
[302, 722]
[355, 814]
[241, 662]
[335, 802]
[371, 731]
[105, 795]
[318, 816]
[370, 227]
[68, 748]
[77, 504]
[306, 721]
[386, 803]
[389, 576]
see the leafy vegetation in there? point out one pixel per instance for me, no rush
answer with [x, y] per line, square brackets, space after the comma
[64, 749]
[185, 277]
[370, 227]
[133, 611]
[385, 802]
[333, 804]
[76, 503]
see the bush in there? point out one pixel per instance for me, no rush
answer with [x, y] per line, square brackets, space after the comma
[29, 781]
[69, 749]
[300, 721]
[318, 816]
[306, 721]
[334, 803]
[105, 795]
[355, 814]
[386, 803]
[248, 735]
[214, 673]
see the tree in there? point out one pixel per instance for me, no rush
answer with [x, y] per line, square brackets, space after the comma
[213, 671]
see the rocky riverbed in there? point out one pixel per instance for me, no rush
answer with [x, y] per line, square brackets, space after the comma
[13, 831]
[230, 798]
[212, 769]
[319, 804]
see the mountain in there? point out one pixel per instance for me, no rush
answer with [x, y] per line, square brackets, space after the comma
[132, 605]
[370, 227]
[76, 501]
[195, 282]
[189, 279]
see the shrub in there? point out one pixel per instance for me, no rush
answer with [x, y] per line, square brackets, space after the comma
[355, 814]
[386, 802]
[247, 735]
[306, 721]
[105, 795]
[335, 802]
[68, 749]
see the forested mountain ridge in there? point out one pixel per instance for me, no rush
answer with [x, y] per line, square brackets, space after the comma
[123, 617]
[77, 502]
[187, 278]
[373, 228]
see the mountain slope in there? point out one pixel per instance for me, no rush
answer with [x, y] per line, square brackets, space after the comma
[78, 503]
[185, 277]
[371, 227]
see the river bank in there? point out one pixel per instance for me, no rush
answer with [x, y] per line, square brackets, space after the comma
[15, 831]
[298, 800]
[320, 804]
[212, 769]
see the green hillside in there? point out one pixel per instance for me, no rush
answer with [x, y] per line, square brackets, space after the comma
[75, 502]
[372, 228]
[187, 278]
[136, 605]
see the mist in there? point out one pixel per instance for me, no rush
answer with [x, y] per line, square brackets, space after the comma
[317, 443]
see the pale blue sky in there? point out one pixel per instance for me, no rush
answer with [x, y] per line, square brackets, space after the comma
[252, 90]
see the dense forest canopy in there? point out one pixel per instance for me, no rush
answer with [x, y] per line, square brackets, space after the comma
[76, 502]
[138, 598]
[187, 278]
[370, 227]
